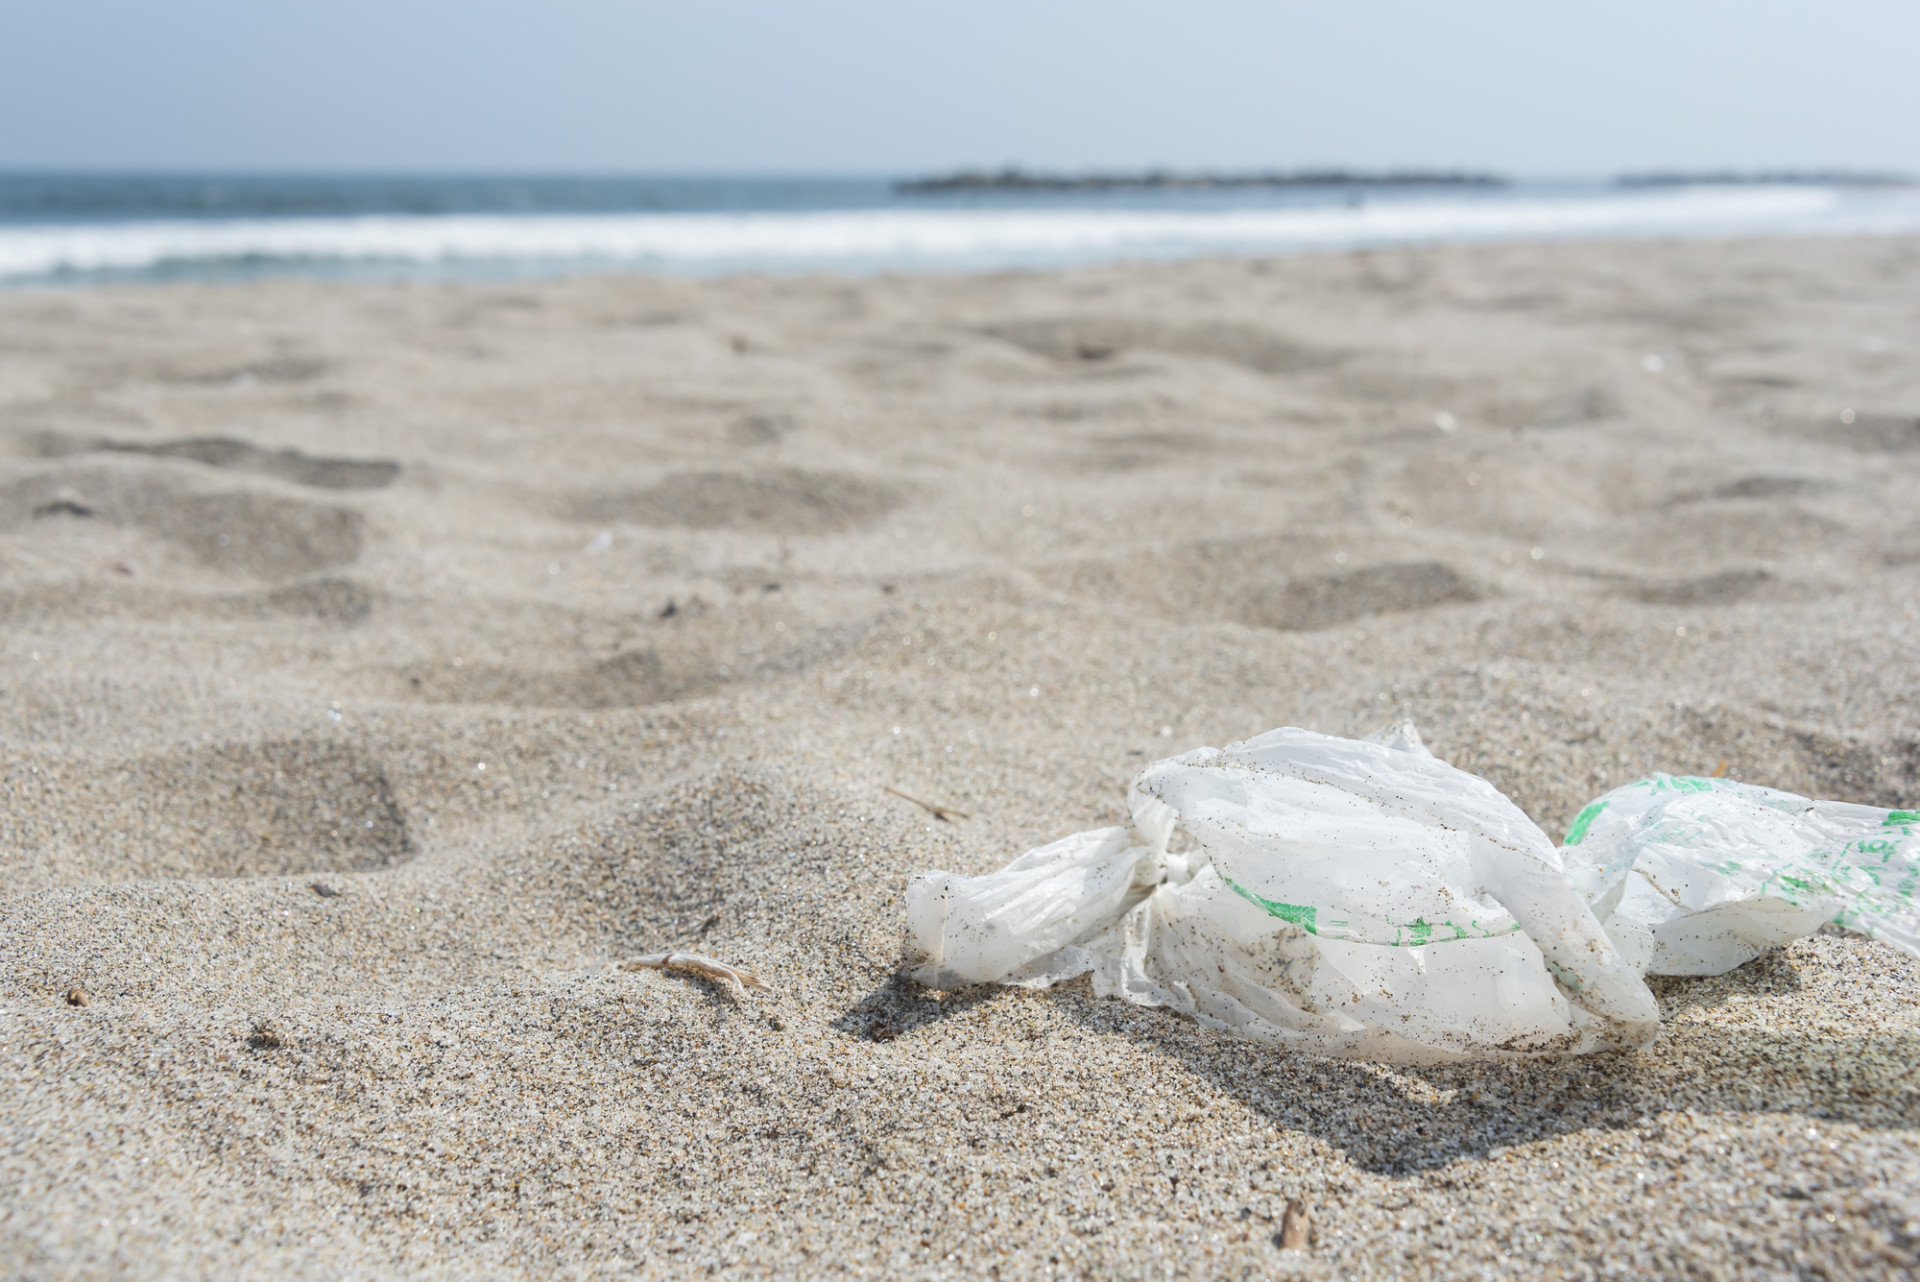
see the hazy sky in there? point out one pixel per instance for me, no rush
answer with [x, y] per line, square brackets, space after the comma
[847, 86]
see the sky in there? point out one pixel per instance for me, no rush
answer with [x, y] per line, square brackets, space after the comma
[907, 86]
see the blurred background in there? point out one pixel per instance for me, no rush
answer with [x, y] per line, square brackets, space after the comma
[213, 138]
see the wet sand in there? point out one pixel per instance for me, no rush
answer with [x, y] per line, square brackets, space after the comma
[387, 662]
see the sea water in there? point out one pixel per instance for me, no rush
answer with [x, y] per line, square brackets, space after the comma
[79, 228]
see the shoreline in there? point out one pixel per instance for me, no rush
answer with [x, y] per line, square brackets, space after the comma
[879, 238]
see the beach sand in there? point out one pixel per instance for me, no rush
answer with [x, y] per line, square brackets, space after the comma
[387, 662]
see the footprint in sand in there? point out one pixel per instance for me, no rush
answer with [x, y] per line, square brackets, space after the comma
[1089, 339]
[1310, 602]
[244, 532]
[230, 454]
[1730, 587]
[274, 808]
[1246, 582]
[779, 501]
[633, 679]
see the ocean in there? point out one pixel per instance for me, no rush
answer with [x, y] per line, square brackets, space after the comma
[81, 228]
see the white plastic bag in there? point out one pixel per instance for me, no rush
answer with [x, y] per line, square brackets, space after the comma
[986, 928]
[1364, 898]
[1695, 876]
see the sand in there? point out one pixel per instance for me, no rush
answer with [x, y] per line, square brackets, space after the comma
[387, 662]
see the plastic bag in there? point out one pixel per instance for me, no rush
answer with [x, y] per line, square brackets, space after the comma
[1364, 898]
[1695, 876]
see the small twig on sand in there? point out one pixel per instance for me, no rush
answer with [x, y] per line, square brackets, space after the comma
[1296, 1227]
[945, 814]
[705, 967]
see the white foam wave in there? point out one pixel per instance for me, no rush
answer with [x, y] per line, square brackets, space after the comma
[908, 237]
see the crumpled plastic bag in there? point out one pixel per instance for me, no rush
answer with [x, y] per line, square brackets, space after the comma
[1364, 898]
[1695, 876]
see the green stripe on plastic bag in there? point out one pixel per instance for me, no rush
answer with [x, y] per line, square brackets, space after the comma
[1412, 934]
[1299, 914]
[1582, 822]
